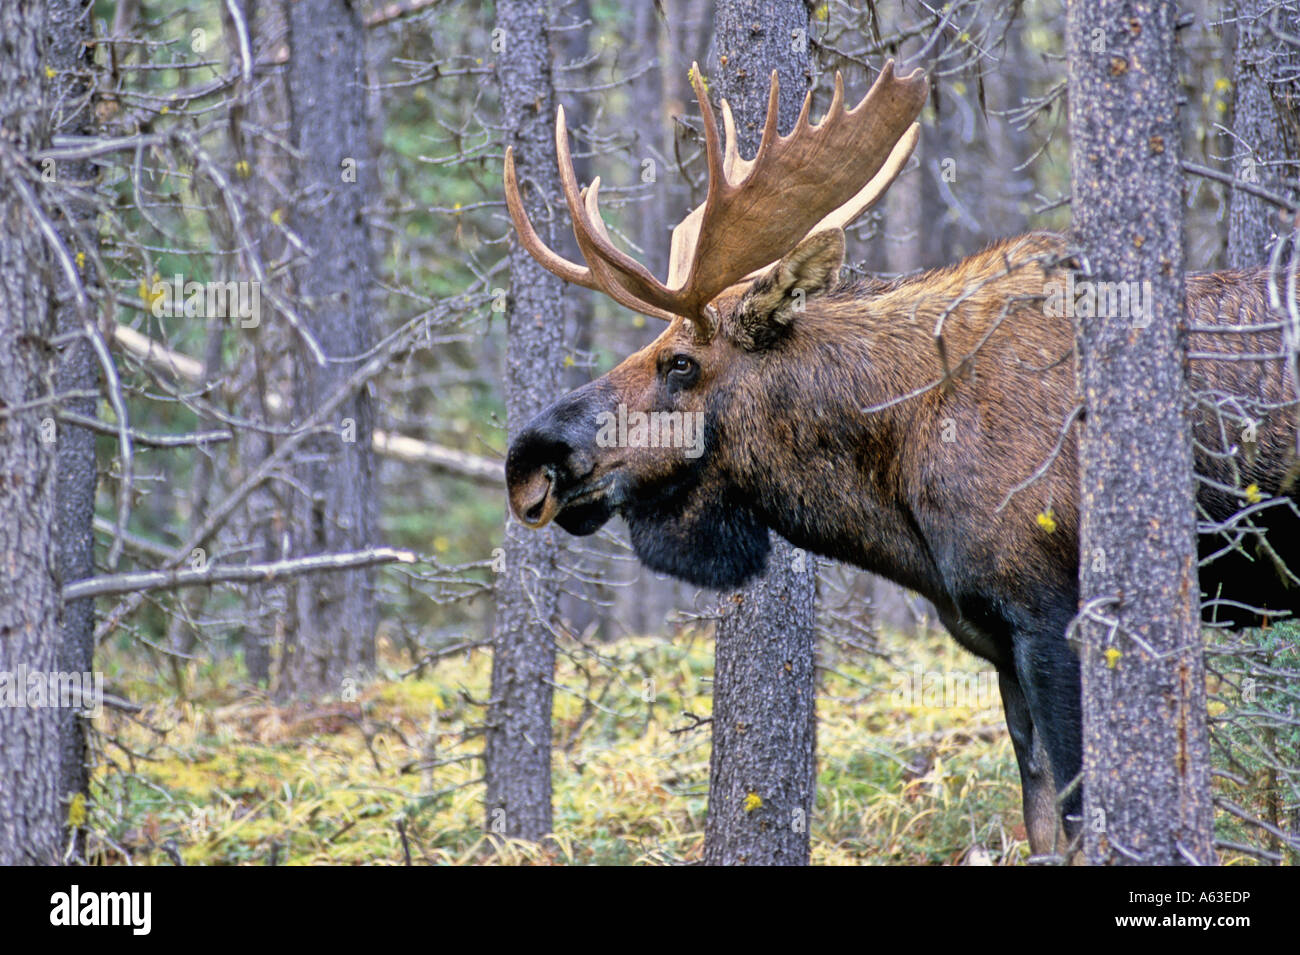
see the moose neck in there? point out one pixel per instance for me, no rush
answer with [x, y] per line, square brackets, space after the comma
[842, 437]
[807, 443]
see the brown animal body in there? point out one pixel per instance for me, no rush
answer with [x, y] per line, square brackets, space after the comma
[835, 416]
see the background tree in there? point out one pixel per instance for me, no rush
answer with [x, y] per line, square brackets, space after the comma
[1265, 124]
[1254, 673]
[31, 813]
[762, 771]
[333, 618]
[70, 54]
[1146, 767]
[517, 753]
[269, 349]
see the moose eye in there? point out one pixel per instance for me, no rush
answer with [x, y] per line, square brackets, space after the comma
[682, 365]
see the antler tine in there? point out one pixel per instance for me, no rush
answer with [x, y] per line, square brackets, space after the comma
[613, 268]
[837, 99]
[686, 234]
[770, 132]
[731, 160]
[712, 153]
[551, 261]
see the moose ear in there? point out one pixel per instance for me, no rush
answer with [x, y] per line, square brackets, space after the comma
[775, 299]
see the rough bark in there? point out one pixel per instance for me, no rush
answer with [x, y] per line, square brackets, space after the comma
[653, 135]
[1265, 126]
[267, 348]
[655, 98]
[517, 751]
[1146, 779]
[69, 26]
[762, 770]
[333, 618]
[580, 611]
[30, 737]
[574, 47]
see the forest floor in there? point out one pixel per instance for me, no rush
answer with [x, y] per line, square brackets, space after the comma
[914, 766]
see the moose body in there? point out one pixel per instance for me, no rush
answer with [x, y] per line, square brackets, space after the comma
[925, 430]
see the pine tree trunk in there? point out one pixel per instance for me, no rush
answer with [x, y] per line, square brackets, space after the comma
[30, 737]
[762, 770]
[1146, 763]
[263, 526]
[70, 56]
[1265, 125]
[517, 751]
[333, 629]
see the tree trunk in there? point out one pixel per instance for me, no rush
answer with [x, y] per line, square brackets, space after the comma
[1265, 126]
[1146, 764]
[762, 769]
[70, 56]
[333, 616]
[655, 97]
[267, 349]
[517, 751]
[30, 736]
[580, 609]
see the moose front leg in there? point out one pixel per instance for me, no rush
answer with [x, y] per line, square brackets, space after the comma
[1047, 673]
[1037, 785]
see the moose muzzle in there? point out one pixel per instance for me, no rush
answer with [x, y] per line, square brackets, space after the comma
[551, 468]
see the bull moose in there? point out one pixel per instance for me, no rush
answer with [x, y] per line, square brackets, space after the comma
[918, 428]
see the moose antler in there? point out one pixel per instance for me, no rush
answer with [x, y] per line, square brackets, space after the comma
[755, 211]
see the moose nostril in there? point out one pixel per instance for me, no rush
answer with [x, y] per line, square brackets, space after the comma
[531, 498]
[534, 513]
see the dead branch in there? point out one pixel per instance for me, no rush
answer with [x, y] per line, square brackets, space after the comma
[213, 573]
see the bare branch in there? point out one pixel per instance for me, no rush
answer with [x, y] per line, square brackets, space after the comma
[213, 573]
